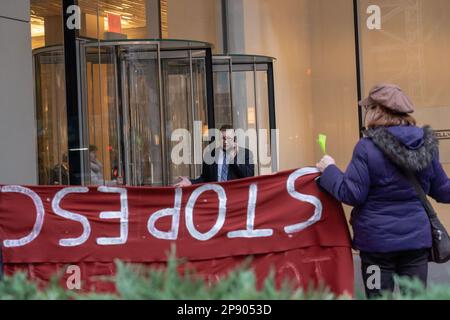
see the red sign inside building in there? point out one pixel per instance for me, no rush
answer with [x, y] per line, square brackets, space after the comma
[114, 23]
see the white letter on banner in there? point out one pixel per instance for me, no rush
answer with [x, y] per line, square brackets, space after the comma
[190, 211]
[122, 215]
[39, 216]
[172, 234]
[71, 242]
[305, 198]
[250, 232]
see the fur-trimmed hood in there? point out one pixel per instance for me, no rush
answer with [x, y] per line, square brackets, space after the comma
[388, 216]
[411, 148]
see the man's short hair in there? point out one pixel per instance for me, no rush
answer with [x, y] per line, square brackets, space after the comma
[226, 127]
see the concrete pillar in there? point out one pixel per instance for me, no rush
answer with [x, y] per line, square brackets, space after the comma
[234, 16]
[153, 16]
[18, 164]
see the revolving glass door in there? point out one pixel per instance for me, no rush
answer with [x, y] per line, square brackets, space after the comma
[244, 98]
[137, 96]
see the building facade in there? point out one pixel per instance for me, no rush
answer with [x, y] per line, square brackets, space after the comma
[329, 53]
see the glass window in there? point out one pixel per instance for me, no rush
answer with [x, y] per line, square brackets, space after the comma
[100, 19]
[200, 104]
[244, 110]
[51, 118]
[222, 99]
[103, 122]
[184, 95]
[264, 134]
[243, 101]
[118, 19]
[143, 143]
[50, 94]
[411, 50]
[46, 23]
[136, 95]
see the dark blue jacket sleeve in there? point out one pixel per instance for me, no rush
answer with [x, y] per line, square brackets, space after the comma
[440, 184]
[246, 169]
[202, 177]
[351, 187]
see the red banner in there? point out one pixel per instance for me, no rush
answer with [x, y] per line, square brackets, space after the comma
[282, 220]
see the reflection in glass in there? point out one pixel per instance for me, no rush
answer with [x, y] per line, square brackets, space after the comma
[51, 117]
[264, 142]
[141, 113]
[46, 23]
[223, 113]
[100, 19]
[104, 165]
[413, 53]
[177, 99]
[184, 95]
[133, 97]
[113, 19]
[244, 110]
[136, 96]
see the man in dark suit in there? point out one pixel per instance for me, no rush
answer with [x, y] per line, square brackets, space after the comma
[230, 163]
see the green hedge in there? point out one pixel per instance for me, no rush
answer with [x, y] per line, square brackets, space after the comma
[135, 282]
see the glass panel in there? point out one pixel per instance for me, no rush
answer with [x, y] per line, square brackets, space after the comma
[115, 19]
[141, 114]
[200, 108]
[412, 51]
[46, 23]
[243, 114]
[123, 104]
[244, 110]
[51, 118]
[264, 145]
[222, 99]
[178, 109]
[124, 109]
[46, 30]
[103, 125]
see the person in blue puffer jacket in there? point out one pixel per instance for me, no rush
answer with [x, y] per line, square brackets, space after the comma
[390, 225]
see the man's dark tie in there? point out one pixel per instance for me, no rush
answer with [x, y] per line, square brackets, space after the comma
[224, 173]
